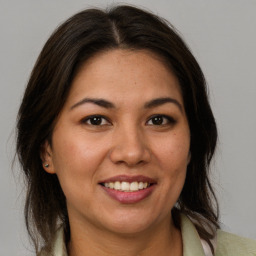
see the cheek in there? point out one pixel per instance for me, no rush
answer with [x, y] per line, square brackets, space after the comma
[74, 152]
[76, 162]
[173, 155]
[173, 151]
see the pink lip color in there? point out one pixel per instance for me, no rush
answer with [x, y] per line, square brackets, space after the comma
[129, 197]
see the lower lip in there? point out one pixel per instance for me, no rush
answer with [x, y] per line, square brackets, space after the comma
[129, 197]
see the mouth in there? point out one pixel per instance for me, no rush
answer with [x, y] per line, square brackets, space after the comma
[127, 190]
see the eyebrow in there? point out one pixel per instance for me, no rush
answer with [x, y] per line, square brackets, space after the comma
[107, 104]
[100, 102]
[160, 101]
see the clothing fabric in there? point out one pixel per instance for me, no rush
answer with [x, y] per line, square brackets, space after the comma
[226, 244]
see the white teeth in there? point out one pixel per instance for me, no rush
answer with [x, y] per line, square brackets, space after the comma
[145, 185]
[134, 186]
[141, 185]
[126, 186]
[117, 185]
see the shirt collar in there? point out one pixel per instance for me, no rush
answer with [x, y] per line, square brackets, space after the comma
[59, 246]
[191, 241]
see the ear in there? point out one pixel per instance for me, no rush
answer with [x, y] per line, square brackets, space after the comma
[46, 157]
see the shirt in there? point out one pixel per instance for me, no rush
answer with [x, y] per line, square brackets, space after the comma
[226, 244]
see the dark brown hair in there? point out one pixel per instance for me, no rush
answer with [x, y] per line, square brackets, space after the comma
[73, 43]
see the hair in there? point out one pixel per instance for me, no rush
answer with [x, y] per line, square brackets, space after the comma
[74, 42]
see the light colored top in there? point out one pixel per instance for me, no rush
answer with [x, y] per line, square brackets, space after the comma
[226, 244]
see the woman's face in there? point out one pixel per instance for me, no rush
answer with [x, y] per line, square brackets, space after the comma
[120, 147]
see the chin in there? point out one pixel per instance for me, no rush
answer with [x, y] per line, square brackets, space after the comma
[131, 223]
[129, 229]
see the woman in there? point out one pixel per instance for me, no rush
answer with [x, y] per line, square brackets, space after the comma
[115, 137]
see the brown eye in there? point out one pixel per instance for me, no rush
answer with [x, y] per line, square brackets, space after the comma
[157, 120]
[95, 121]
[160, 120]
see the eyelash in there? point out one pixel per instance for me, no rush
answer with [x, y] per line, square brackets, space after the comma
[90, 118]
[169, 120]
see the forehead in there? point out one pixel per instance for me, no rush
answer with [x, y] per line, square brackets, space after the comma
[123, 73]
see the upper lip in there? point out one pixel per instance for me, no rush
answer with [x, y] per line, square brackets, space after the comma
[138, 178]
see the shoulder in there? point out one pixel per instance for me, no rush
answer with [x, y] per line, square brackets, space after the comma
[233, 245]
[225, 244]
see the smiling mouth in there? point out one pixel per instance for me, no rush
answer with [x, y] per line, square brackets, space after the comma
[129, 189]
[125, 186]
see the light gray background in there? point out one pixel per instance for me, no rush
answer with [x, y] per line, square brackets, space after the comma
[221, 34]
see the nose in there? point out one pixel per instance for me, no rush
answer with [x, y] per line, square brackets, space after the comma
[130, 148]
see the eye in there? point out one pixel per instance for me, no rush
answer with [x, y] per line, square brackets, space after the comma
[96, 120]
[160, 120]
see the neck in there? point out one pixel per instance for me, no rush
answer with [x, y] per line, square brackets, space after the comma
[162, 240]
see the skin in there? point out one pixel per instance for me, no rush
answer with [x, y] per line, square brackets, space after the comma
[127, 142]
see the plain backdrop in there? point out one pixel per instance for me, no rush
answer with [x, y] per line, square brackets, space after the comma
[222, 36]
